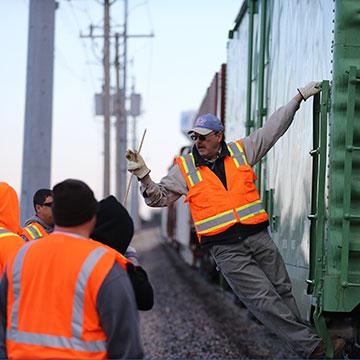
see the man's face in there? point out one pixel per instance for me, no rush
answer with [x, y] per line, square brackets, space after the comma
[208, 145]
[44, 211]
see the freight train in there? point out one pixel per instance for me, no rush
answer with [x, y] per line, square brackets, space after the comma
[309, 181]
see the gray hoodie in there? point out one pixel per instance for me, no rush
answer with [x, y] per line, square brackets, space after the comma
[48, 228]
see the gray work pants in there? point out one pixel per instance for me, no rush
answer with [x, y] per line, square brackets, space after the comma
[257, 274]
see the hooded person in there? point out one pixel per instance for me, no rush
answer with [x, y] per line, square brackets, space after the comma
[10, 228]
[115, 228]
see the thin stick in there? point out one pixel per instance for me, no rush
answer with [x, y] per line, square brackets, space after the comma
[132, 175]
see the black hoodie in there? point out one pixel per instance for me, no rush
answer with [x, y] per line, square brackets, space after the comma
[115, 228]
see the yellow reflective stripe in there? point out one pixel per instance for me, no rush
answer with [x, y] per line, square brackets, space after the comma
[37, 230]
[6, 234]
[217, 227]
[242, 152]
[184, 164]
[191, 180]
[248, 205]
[230, 150]
[237, 154]
[29, 230]
[213, 217]
[197, 169]
[215, 222]
[252, 214]
[192, 172]
[250, 210]
[183, 160]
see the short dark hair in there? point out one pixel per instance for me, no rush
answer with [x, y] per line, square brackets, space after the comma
[74, 203]
[40, 196]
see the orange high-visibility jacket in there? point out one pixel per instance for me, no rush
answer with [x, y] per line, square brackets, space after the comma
[10, 228]
[214, 208]
[52, 292]
[9, 244]
[34, 231]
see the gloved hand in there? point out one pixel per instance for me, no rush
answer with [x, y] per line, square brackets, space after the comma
[136, 164]
[310, 89]
[131, 254]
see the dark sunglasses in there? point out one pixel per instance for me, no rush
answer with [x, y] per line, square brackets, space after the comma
[47, 204]
[195, 136]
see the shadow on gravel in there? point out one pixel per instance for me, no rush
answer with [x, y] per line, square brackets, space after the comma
[193, 319]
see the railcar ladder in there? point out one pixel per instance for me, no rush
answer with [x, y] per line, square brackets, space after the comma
[319, 154]
[318, 218]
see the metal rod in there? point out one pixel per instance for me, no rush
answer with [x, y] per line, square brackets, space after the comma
[132, 175]
[106, 98]
[118, 129]
[251, 11]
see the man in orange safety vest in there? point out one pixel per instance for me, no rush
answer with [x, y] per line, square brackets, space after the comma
[42, 222]
[218, 183]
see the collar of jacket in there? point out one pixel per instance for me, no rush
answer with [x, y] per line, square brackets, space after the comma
[49, 229]
[200, 161]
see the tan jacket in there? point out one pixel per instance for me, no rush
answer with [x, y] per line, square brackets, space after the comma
[256, 145]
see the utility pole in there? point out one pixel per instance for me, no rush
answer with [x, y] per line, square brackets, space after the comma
[120, 104]
[104, 107]
[121, 127]
[36, 161]
[121, 172]
[106, 93]
[135, 110]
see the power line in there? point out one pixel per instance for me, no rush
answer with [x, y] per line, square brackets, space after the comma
[73, 10]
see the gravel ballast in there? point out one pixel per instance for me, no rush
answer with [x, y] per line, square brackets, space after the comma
[192, 318]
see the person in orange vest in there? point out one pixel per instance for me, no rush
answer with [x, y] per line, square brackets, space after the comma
[217, 180]
[42, 222]
[65, 296]
[10, 229]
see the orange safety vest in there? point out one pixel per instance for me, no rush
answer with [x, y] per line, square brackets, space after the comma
[52, 292]
[215, 209]
[34, 231]
[9, 244]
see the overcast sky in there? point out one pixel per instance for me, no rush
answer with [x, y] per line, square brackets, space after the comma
[171, 71]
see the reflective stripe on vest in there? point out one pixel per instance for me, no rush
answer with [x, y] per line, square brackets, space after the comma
[75, 341]
[237, 153]
[228, 217]
[34, 232]
[192, 172]
[214, 222]
[249, 210]
[4, 233]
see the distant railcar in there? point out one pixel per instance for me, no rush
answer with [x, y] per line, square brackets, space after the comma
[309, 181]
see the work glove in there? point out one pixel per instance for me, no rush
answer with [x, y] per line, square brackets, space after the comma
[310, 89]
[136, 164]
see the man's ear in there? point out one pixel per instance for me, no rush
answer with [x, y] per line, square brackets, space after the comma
[37, 208]
[221, 136]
